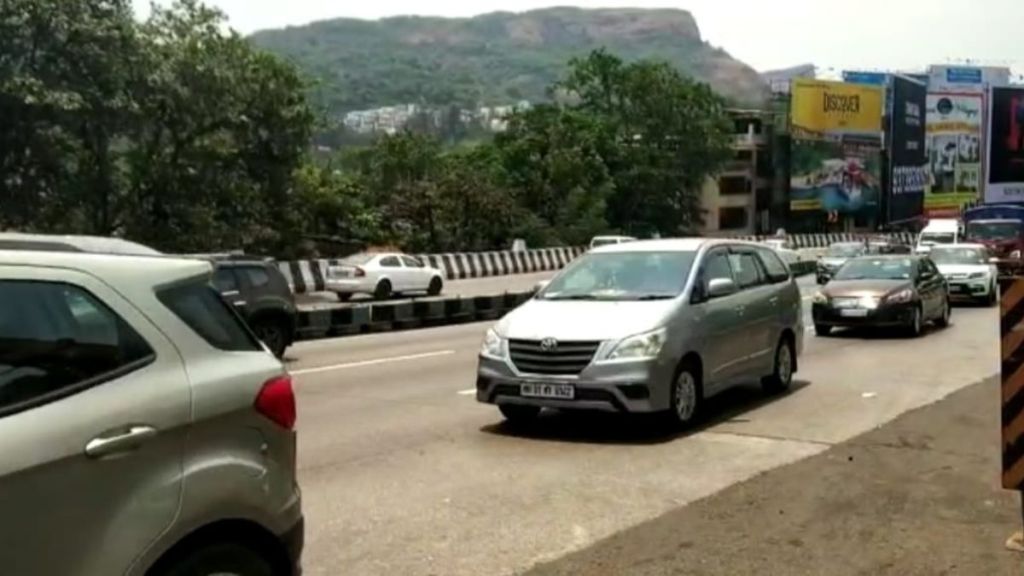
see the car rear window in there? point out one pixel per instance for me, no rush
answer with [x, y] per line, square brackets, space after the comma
[57, 339]
[199, 306]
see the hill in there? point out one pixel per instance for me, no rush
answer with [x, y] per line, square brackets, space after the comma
[493, 59]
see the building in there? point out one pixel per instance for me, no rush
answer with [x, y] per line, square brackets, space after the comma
[738, 200]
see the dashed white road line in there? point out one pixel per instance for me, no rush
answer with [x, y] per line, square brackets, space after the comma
[374, 362]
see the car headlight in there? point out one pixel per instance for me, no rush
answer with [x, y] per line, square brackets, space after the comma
[820, 298]
[901, 297]
[977, 275]
[641, 346]
[494, 346]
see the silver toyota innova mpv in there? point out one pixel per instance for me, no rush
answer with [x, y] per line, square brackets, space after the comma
[650, 327]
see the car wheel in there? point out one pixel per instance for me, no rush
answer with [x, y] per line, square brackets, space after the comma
[686, 397]
[218, 559]
[436, 285]
[344, 296]
[516, 413]
[993, 295]
[943, 320]
[273, 333]
[383, 290]
[782, 376]
[915, 326]
[822, 330]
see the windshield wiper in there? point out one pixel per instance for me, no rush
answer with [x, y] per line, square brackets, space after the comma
[649, 297]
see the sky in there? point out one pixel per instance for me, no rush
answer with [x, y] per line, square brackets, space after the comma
[766, 34]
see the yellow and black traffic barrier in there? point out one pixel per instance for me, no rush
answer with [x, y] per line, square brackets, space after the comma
[1011, 331]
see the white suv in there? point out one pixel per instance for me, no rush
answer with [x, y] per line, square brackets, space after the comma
[143, 428]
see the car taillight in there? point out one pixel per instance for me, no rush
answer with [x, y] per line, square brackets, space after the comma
[276, 401]
[359, 273]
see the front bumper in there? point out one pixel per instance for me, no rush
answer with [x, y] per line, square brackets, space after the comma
[884, 315]
[639, 387]
[968, 289]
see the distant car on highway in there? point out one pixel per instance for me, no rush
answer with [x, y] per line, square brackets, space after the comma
[970, 271]
[599, 241]
[383, 275]
[834, 258]
[260, 293]
[783, 249]
[651, 327]
[144, 429]
[902, 291]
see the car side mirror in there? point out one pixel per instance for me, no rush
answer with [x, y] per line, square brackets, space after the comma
[540, 286]
[721, 287]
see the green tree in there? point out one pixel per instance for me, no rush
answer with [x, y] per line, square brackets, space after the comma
[671, 134]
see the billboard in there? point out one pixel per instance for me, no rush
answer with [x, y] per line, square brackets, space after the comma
[821, 109]
[1006, 146]
[908, 159]
[862, 77]
[967, 78]
[954, 138]
[834, 176]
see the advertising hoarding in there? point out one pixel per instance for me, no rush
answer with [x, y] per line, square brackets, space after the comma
[1006, 146]
[908, 157]
[954, 143]
[822, 110]
[862, 77]
[834, 176]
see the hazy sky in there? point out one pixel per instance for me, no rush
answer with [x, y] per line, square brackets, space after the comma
[872, 34]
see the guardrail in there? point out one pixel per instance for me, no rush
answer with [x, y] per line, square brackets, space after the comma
[423, 313]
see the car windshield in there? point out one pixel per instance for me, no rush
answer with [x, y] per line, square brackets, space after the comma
[932, 238]
[993, 230]
[845, 250]
[958, 256]
[623, 276]
[877, 269]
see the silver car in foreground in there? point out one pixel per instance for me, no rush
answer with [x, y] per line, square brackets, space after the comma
[143, 428]
[653, 326]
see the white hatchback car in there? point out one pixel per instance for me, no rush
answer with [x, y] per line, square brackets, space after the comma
[382, 276]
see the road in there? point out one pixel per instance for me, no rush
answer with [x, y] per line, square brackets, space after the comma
[470, 287]
[403, 472]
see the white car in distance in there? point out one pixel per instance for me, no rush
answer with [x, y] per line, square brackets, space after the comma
[968, 270]
[382, 275]
[781, 247]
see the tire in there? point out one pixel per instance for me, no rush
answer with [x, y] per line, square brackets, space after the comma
[943, 320]
[219, 558]
[273, 333]
[993, 295]
[822, 330]
[344, 296]
[436, 285]
[686, 397]
[916, 325]
[383, 290]
[782, 375]
[518, 414]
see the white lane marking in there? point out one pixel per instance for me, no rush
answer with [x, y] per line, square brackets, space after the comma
[374, 362]
[468, 392]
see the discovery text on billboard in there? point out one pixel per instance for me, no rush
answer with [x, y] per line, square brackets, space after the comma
[823, 110]
[1006, 146]
[954, 128]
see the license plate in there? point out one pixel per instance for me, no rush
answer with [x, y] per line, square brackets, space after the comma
[556, 391]
[854, 313]
[957, 289]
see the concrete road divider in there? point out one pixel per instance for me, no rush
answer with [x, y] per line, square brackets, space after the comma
[385, 316]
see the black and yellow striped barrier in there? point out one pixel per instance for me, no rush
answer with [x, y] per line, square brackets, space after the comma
[1011, 330]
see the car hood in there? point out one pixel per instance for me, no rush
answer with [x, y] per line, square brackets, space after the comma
[584, 321]
[948, 269]
[862, 288]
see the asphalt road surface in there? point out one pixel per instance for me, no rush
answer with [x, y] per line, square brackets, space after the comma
[403, 472]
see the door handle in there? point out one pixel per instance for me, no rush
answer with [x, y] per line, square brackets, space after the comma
[121, 441]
